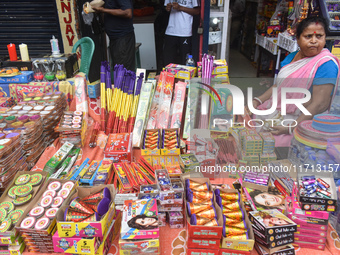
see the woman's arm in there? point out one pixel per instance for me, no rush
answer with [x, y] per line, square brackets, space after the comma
[127, 13]
[319, 103]
[264, 97]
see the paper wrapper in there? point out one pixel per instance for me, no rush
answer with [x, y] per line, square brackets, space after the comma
[93, 217]
[241, 225]
[197, 220]
[228, 196]
[196, 208]
[210, 214]
[240, 237]
[196, 186]
[228, 221]
[231, 207]
[74, 216]
[94, 198]
[212, 223]
[238, 215]
[232, 231]
[77, 204]
[204, 195]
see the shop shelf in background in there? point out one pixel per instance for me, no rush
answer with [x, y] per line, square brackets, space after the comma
[271, 45]
[287, 43]
[215, 37]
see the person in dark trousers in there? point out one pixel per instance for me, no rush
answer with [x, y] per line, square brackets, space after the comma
[179, 31]
[118, 23]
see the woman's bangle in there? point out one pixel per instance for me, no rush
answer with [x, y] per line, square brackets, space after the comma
[258, 100]
[290, 129]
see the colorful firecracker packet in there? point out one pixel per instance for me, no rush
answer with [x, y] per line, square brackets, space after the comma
[89, 208]
[160, 107]
[104, 171]
[264, 222]
[145, 210]
[177, 105]
[119, 148]
[91, 172]
[144, 103]
[190, 112]
[181, 71]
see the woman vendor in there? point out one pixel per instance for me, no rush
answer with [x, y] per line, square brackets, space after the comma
[312, 67]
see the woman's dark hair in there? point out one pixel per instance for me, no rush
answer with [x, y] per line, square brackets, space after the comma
[303, 24]
[139, 131]
[132, 222]
[265, 215]
[255, 192]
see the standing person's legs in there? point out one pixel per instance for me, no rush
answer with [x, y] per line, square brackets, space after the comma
[123, 51]
[184, 48]
[170, 49]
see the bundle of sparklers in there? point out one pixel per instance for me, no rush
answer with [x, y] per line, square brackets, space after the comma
[119, 101]
[207, 68]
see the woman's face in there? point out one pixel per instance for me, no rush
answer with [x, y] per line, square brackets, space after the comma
[312, 40]
[147, 222]
[268, 199]
[275, 221]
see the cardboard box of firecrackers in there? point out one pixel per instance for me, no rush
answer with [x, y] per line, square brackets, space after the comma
[95, 245]
[16, 199]
[22, 77]
[268, 142]
[220, 67]
[237, 230]
[199, 190]
[252, 144]
[231, 220]
[317, 192]
[132, 236]
[252, 160]
[188, 162]
[272, 228]
[312, 225]
[119, 148]
[88, 213]
[267, 157]
[152, 142]
[181, 71]
[256, 180]
[162, 161]
[170, 142]
[37, 224]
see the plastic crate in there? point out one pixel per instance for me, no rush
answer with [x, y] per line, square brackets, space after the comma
[287, 43]
[260, 40]
[271, 45]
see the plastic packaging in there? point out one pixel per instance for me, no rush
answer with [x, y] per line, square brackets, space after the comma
[38, 71]
[61, 70]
